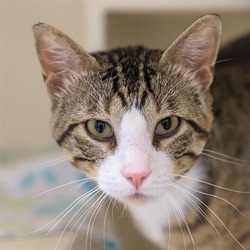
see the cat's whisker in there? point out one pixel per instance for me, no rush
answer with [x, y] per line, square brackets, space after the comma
[66, 210]
[124, 210]
[183, 218]
[92, 194]
[186, 225]
[214, 214]
[96, 209]
[211, 184]
[84, 180]
[169, 226]
[72, 206]
[113, 201]
[217, 197]
[94, 219]
[86, 212]
[213, 64]
[52, 163]
[105, 221]
[179, 188]
[193, 205]
[201, 212]
[233, 162]
[75, 187]
[112, 209]
[225, 156]
[85, 215]
[224, 60]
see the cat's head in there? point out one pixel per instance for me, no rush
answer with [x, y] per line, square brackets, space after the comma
[135, 119]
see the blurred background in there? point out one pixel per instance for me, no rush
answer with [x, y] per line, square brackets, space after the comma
[24, 105]
[96, 25]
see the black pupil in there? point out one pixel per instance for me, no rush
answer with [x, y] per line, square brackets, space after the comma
[100, 126]
[166, 123]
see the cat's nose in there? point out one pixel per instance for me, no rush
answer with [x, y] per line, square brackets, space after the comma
[136, 178]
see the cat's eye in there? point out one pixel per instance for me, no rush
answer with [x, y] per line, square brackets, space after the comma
[99, 129]
[167, 126]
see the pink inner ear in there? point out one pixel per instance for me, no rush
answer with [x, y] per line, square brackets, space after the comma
[52, 68]
[56, 58]
[202, 64]
[52, 76]
[59, 55]
[197, 48]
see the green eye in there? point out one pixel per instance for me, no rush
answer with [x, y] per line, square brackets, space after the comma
[167, 126]
[99, 129]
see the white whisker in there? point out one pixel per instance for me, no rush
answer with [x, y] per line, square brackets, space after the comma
[63, 185]
[95, 206]
[93, 218]
[105, 221]
[72, 206]
[201, 212]
[224, 160]
[52, 163]
[82, 216]
[58, 216]
[184, 221]
[225, 156]
[87, 180]
[124, 209]
[92, 194]
[112, 209]
[211, 184]
[217, 197]
[216, 216]
[169, 226]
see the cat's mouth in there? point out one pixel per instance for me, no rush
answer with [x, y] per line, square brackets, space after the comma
[138, 198]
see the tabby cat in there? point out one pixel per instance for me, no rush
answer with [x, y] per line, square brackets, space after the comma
[141, 123]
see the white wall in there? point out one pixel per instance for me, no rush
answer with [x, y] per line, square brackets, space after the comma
[24, 106]
[159, 30]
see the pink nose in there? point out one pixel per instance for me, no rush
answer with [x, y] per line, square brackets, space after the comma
[136, 178]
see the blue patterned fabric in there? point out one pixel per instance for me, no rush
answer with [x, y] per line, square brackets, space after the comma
[41, 196]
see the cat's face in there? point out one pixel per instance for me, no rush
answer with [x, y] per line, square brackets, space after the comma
[135, 119]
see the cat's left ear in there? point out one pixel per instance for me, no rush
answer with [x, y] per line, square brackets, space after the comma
[196, 49]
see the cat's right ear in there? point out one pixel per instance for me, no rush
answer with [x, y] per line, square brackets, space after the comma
[59, 56]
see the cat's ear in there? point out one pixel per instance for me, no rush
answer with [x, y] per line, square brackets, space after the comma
[196, 49]
[59, 56]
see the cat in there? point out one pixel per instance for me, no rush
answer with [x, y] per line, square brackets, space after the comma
[157, 131]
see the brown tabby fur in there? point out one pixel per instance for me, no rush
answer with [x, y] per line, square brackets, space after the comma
[230, 135]
[135, 74]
